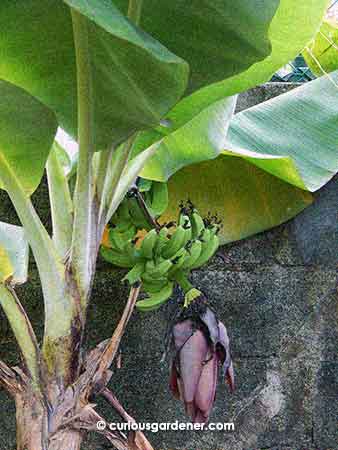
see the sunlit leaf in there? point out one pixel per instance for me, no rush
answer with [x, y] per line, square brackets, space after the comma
[6, 268]
[321, 54]
[204, 137]
[247, 199]
[67, 152]
[293, 136]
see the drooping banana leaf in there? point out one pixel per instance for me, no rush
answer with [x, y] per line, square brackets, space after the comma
[245, 198]
[293, 136]
[217, 38]
[27, 130]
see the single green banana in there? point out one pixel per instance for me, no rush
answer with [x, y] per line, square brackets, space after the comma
[154, 285]
[144, 185]
[116, 239]
[188, 234]
[155, 300]
[137, 215]
[116, 258]
[131, 251]
[208, 250]
[135, 273]
[158, 198]
[193, 254]
[130, 233]
[183, 218]
[161, 241]
[175, 243]
[197, 224]
[148, 244]
[184, 221]
[158, 270]
[206, 236]
[178, 262]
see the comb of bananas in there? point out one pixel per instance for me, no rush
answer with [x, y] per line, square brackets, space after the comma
[165, 256]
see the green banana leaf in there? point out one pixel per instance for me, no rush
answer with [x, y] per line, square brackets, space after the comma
[200, 139]
[27, 130]
[245, 198]
[130, 69]
[298, 128]
[321, 54]
[14, 252]
[218, 38]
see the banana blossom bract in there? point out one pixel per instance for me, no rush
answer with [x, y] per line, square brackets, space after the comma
[201, 345]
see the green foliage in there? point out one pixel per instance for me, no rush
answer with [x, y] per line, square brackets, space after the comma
[27, 130]
[247, 199]
[138, 73]
[218, 38]
[287, 21]
[293, 136]
[321, 54]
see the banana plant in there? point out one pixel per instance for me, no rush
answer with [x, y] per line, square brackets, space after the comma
[145, 88]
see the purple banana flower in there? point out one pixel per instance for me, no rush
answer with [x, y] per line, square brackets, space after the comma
[201, 345]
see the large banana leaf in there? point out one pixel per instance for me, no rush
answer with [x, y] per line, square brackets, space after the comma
[293, 136]
[13, 253]
[218, 38]
[247, 199]
[321, 54]
[27, 130]
[288, 21]
[136, 80]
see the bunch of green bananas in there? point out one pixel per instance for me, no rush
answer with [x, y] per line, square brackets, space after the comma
[165, 257]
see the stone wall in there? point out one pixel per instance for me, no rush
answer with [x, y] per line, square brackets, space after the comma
[270, 292]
